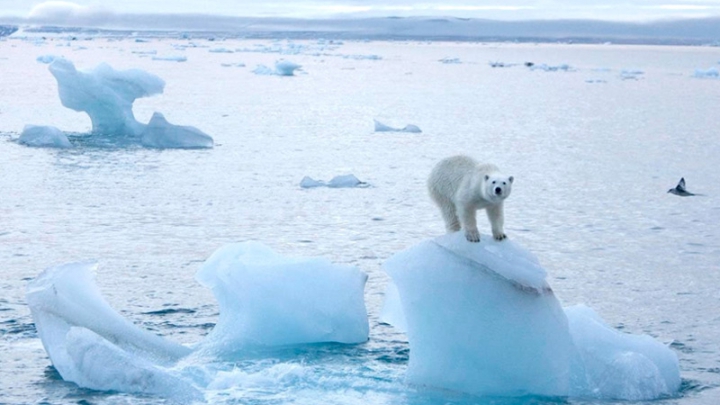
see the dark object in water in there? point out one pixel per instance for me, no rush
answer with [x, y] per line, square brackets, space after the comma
[680, 189]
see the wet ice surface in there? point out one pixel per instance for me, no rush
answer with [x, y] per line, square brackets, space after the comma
[592, 165]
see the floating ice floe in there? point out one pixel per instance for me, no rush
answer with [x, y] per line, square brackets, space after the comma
[105, 94]
[361, 57]
[712, 73]
[595, 81]
[342, 181]
[282, 68]
[481, 318]
[145, 53]
[44, 136]
[380, 127]
[269, 300]
[631, 74]
[551, 68]
[171, 58]
[501, 64]
[47, 59]
[232, 64]
[221, 50]
[450, 61]
[266, 301]
[161, 134]
[92, 345]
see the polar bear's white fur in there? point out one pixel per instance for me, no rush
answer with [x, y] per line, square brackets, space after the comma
[460, 186]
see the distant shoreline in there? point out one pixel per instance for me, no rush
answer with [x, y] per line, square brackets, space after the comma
[699, 32]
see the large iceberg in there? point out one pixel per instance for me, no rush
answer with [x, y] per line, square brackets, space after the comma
[105, 94]
[481, 318]
[161, 134]
[266, 300]
[44, 136]
[269, 300]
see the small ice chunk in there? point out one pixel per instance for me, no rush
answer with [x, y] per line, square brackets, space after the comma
[221, 50]
[161, 134]
[263, 70]
[450, 61]
[411, 128]
[551, 68]
[309, 182]
[498, 64]
[631, 74]
[268, 300]
[380, 127]
[286, 68]
[282, 68]
[178, 58]
[105, 94]
[341, 181]
[345, 181]
[44, 137]
[47, 59]
[712, 72]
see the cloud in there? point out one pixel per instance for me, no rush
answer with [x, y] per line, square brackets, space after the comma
[67, 13]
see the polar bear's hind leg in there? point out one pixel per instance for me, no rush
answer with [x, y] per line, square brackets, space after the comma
[449, 214]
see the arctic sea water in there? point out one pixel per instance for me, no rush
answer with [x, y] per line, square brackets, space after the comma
[594, 147]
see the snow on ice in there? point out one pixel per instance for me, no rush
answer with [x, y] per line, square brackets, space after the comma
[481, 319]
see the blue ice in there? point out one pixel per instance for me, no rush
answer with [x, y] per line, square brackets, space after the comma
[480, 319]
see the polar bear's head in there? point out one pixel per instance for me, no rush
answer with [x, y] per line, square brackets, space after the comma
[497, 187]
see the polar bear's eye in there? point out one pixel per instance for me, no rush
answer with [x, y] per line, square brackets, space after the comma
[494, 181]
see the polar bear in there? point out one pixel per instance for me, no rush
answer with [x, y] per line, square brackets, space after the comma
[460, 186]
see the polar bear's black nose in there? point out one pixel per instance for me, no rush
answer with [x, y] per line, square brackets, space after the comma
[498, 190]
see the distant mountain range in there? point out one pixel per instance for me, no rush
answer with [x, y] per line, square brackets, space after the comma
[683, 32]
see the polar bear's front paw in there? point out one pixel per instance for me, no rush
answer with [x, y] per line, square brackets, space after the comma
[499, 236]
[472, 235]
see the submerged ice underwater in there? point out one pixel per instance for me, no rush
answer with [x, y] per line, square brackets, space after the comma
[350, 315]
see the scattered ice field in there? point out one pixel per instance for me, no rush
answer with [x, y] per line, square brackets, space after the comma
[594, 135]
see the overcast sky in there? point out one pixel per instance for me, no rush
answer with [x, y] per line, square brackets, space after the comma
[614, 10]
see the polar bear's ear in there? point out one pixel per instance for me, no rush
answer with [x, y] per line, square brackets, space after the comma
[487, 177]
[510, 179]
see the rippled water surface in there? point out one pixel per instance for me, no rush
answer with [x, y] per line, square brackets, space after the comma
[593, 151]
